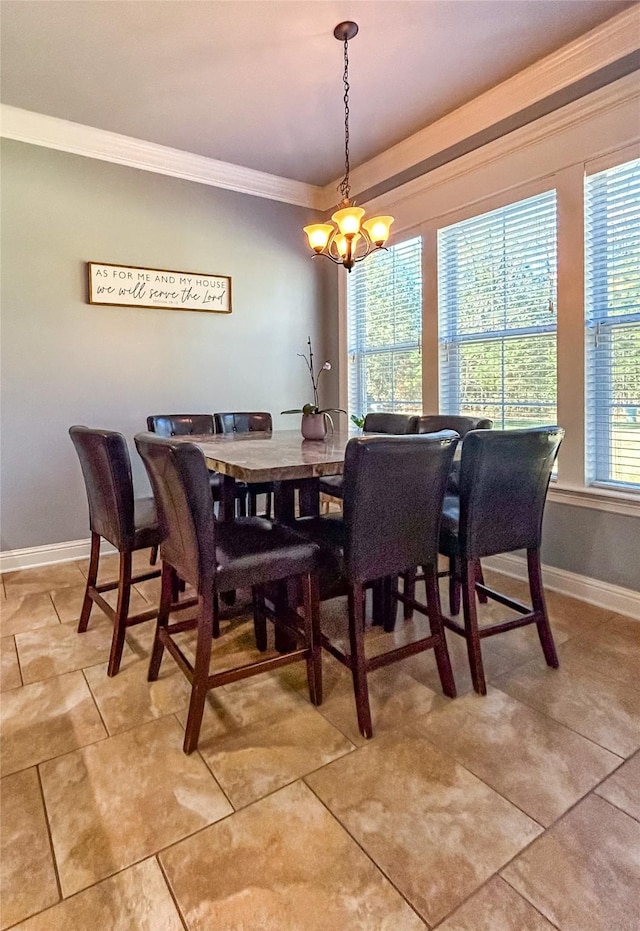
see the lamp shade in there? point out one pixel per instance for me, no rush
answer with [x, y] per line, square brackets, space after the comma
[319, 234]
[342, 244]
[348, 220]
[378, 229]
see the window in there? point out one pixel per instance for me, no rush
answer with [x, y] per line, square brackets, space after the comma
[384, 306]
[612, 254]
[497, 314]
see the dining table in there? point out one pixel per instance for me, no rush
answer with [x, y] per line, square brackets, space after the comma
[283, 457]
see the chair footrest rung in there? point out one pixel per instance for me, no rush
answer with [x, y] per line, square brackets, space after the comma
[264, 665]
[492, 629]
[409, 649]
[503, 599]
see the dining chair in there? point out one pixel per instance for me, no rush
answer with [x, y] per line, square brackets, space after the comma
[504, 477]
[374, 422]
[127, 523]
[386, 528]
[431, 423]
[249, 422]
[216, 556]
[168, 425]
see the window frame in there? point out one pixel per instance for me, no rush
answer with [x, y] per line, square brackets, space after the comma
[598, 404]
[447, 337]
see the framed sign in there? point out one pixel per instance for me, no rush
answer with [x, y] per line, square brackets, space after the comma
[129, 286]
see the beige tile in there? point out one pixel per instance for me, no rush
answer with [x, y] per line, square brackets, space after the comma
[127, 699]
[120, 800]
[150, 590]
[135, 900]
[68, 604]
[26, 612]
[615, 649]
[395, 697]
[28, 882]
[62, 649]
[496, 907]
[522, 645]
[432, 827]
[41, 579]
[256, 740]
[283, 863]
[539, 765]
[9, 668]
[580, 696]
[583, 873]
[623, 788]
[45, 719]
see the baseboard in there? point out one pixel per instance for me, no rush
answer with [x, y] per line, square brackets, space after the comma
[33, 556]
[603, 594]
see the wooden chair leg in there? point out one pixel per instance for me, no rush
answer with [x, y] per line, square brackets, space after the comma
[482, 598]
[540, 607]
[253, 503]
[268, 498]
[122, 612]
[454, 587]
[207, 609]
[437, 629]
[153, 557]
[259, 617]
[471, 626]
[92, 576]
[311, 599]
[389, 606]
[409, 589]
[167, 590]
[358, 659]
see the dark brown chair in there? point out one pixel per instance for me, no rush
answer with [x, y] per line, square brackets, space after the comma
[431, 423]
[504, 477]
[216, 556]
[386, 528]
[249, 422]
[114, 515]
[374, 422]
[168, 425]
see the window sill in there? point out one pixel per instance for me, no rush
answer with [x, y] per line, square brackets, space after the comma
[597, 499]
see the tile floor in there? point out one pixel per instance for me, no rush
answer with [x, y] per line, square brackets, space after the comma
[519, 811]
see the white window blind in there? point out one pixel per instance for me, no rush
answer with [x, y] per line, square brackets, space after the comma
[384, 308]
[497, 279]
[612, 267]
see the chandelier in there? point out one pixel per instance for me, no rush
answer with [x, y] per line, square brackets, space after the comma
[351, 239]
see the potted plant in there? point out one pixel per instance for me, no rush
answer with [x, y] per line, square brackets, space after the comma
[314, 420]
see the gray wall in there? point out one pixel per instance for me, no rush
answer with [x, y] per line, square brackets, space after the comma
[592, 543]
[65, 361]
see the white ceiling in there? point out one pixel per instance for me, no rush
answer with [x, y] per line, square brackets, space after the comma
[259, 84]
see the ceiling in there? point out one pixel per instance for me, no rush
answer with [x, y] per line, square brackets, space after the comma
[259, 84]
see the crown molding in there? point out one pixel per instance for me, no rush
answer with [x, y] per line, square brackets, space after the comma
[54, 133]
[624, 92]
[602, 46]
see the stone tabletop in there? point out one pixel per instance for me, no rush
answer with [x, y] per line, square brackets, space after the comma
[273, 457]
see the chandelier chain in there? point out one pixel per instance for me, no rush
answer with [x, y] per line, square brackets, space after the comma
[344, 187]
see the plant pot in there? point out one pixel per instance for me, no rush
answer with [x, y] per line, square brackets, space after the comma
[314, 426]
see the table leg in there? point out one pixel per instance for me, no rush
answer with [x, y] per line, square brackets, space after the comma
[309, 497]
[227, 498]
[284, 503]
